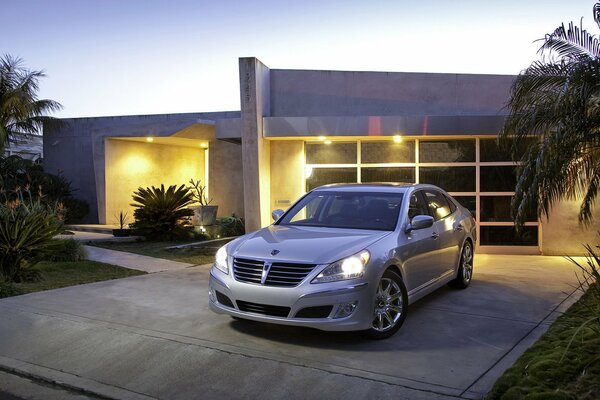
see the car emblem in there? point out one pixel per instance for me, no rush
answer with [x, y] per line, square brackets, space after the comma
[265, 272]
[274, 252]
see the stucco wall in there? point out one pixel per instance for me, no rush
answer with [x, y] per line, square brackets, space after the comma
[563, 235]
[287, 180]
[130, 165]
[76, 149]
[347, 93]
[225, 178]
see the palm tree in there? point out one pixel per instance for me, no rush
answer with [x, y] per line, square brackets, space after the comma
[21, 112]
[557, 100]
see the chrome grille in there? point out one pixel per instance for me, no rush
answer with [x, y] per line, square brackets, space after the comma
[246, 270]
[279, 274]
[288, 274]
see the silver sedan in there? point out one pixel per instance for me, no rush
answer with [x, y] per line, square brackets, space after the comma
[347, 257]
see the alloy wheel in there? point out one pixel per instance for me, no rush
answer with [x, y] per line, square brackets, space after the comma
[389, 305]
[467, 263]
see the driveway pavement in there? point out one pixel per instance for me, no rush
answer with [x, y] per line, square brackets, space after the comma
[153, 336]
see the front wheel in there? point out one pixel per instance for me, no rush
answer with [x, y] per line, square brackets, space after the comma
[465, 267]
[391, 302]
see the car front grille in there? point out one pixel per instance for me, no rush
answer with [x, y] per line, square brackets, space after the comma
[280, 273]
[246, 270]
[264, 309]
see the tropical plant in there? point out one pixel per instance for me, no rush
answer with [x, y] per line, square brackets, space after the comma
[27, 229]
[557, 100]
[162, 214]
[199, 192]
[21, 112]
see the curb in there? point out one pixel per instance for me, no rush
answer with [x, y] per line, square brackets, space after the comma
[68, 381]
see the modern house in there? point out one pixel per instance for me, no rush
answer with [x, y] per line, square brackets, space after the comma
[300, 129]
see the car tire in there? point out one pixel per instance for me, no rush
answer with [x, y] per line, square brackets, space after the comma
[390, 308]
[465, 267]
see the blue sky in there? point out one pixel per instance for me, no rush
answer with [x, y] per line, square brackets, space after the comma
[121, 57]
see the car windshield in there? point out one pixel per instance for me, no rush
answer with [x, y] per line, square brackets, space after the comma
[350, 210]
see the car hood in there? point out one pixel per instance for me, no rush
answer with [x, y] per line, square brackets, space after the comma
[304, 244]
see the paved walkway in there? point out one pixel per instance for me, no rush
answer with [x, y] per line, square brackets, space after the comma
[133, 261]
[153, 336]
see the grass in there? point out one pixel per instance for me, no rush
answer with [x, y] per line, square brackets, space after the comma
[62, 274]
[196, 256]
[542, 372]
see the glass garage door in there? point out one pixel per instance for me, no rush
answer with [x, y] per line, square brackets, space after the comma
[475, 171]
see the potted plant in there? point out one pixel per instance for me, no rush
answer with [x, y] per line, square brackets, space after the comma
[204, 214]
[122, 231]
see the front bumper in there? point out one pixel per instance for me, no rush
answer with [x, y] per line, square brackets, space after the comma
[296, 298]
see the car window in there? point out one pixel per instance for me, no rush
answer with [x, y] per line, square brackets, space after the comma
[351, 210]
[437, 203]
[451, 204]
[416, 206]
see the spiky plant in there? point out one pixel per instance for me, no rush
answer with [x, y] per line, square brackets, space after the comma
[21, 112]
[27, 231]
[160, 213]
[557, 100]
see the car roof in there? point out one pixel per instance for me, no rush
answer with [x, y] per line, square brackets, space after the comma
[373, 187]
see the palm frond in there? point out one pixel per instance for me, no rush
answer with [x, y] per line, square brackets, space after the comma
[573, 42]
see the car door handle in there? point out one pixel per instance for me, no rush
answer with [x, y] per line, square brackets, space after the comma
[458, 227]
[435, 235]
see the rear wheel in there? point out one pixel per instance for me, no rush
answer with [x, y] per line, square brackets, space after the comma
[391, 302]
[465, 267]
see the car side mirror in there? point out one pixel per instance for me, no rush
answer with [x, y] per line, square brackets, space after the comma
[419, 222]
[276, 214]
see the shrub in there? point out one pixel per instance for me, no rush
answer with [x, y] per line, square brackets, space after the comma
[68, 250]
[26, 236]
[161, 214]
[17, 172]
[77, 210]
[8, 289]
[231, 226]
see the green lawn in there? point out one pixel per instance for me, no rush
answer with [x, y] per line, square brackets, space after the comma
[61, 274]
[541, 374]
[202, 255]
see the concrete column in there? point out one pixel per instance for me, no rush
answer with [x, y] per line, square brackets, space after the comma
[255, 104]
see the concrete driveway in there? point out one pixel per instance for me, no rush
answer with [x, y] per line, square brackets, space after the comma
[153, 336]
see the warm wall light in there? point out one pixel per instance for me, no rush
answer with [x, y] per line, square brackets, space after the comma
[397, 139]
[327, 142]
[150, 139]
[322, 138]
[204, 145]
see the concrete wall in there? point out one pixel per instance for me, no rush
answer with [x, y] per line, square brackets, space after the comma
[348, 93]
[225, 177]
[563, 235]
[254, 96]
[130, 165]
[287, 173]
[77, 148]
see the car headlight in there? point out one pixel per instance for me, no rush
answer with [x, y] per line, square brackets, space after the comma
[221, 260]
[348, 268]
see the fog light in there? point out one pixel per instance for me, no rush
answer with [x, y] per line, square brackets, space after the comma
[345, 309]
[211, 295]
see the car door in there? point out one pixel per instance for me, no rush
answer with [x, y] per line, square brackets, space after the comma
[444, 228]
[419, 248]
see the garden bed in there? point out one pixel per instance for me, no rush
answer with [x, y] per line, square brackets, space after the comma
[542, 372]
